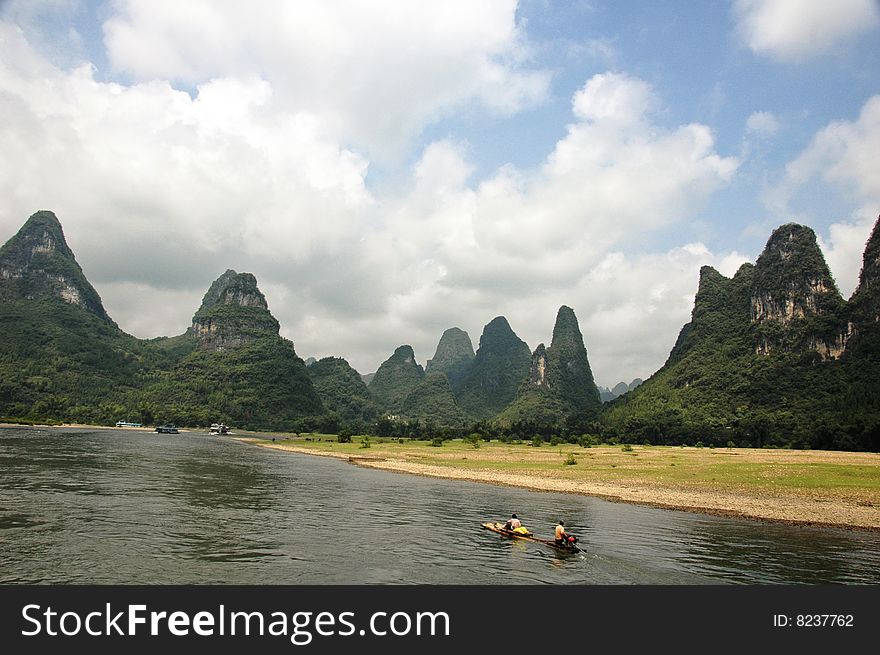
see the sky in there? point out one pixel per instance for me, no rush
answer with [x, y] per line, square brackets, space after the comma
[391, 169]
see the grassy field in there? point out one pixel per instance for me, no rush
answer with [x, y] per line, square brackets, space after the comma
[854, 476]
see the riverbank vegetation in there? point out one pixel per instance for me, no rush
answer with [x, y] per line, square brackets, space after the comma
[712, 468]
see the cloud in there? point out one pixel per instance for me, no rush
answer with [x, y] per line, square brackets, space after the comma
[762, 124]
[845, 246]
[156, 187]
[49, 25]
[794, 30]
[161, 190]
[613, 98]
[377, 74]
[631, 308]
[843, 157]
[521, 243]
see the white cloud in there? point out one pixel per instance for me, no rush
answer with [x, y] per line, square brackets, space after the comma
[844, 156]
[613, 98]
[155, 186]
[376, 74]
[633, 307]
[794, 30]
[160, 192]
[523, 243]
[48, 24]
[762, 124]
[845, 246]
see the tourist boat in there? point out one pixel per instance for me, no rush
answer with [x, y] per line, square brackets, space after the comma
[499, 528]
[127, 424]
[168, 428]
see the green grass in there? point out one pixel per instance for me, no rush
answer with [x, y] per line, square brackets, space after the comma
[670, 466]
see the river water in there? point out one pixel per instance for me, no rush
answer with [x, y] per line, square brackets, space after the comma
[117, 507]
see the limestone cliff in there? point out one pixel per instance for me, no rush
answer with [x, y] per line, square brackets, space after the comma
[233, 312]
[37, 264]
[794, 303]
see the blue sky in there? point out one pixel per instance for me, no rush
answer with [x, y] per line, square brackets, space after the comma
[391, 169]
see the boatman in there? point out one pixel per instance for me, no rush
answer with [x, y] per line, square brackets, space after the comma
[562, 538]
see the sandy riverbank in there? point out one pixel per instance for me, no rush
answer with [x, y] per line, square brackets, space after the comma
[855, 507]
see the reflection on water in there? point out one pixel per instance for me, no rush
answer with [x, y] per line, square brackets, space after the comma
[106, 506]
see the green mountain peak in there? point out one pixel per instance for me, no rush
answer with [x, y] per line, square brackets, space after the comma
[342, 391]
[869, 277]
[560, 381]
[795, 304]
[570, 375]
[454, 355]
[37, 264]
[500, 366]
[395, 379]
[234, 311]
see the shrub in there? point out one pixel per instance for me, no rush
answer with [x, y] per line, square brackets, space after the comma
[730, 444]
[344, 436]
[699, 444]
[626, 448]
[588, 440]
[437, 442]
[473, 440]
[365, 442]
[556, 440]
[537, 441]
[570, 460]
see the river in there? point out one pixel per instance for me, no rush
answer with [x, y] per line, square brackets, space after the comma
[81, 505]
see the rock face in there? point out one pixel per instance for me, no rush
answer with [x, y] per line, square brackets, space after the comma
[501, 364]
[233, 312]
[396, 378]
[37, 264]
[794, 303]
[454, 356]
[773, 355]
[538, 368]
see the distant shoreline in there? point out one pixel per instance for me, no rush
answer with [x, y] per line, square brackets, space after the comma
[818, 509]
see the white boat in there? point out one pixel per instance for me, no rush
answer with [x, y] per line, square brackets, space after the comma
[127, 424]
